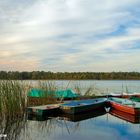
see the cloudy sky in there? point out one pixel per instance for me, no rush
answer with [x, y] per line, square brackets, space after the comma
[70, 35]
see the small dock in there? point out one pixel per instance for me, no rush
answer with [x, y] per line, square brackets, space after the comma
[43, 110]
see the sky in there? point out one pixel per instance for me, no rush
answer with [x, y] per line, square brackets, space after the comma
[70, 35]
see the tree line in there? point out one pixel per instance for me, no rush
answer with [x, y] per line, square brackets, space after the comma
[42, 75]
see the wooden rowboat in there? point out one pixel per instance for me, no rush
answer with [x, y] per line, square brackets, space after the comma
[80, 106]
[124, 105]
[125, 116]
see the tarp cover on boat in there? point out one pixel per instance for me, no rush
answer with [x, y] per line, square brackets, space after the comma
[57, 94]
[135, 99]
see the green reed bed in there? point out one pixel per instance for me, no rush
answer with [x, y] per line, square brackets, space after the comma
[12, 98]
[13, 95]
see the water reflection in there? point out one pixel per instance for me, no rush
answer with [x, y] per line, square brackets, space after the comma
[37, 118]
[100, 125]
[10, 129]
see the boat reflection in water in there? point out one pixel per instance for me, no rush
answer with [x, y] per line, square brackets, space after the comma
[69, 117]
[125, 116]
[81, 117]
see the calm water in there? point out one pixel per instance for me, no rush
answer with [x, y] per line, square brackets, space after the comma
[105, 127]
[102, 127]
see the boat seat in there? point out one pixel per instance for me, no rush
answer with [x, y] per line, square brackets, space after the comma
[82, 104]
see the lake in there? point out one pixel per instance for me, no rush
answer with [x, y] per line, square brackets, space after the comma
[104, 127]
[101, 126]
[103, 86]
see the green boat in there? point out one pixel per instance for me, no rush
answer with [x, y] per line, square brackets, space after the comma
[44, 110]
[80, 106]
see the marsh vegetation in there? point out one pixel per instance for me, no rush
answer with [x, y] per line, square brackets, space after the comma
[14, 100]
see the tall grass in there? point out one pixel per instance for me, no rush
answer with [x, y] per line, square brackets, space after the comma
[88, 92]
[12, 99]
[12, 108]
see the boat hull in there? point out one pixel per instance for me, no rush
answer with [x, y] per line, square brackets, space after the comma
[82, 108]
[125, 116]
[43, 111]
[84, 116]
[124, 108]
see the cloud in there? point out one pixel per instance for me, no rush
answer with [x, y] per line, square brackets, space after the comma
[76, 35]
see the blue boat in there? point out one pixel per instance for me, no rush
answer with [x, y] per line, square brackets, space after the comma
[80, 106]
[44, 110]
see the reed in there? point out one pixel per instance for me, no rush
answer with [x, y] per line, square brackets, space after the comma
[88, 92]
[12, 99]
